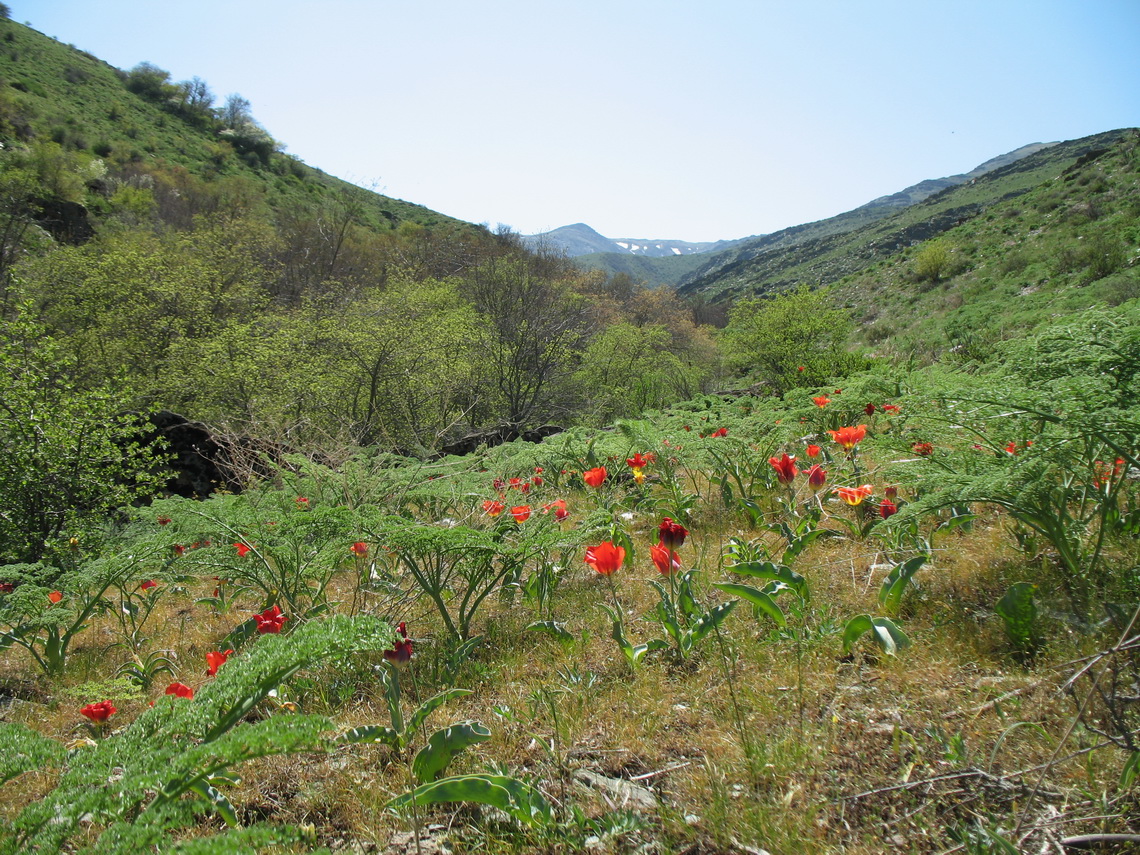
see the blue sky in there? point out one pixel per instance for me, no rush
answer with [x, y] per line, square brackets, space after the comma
[684, 120]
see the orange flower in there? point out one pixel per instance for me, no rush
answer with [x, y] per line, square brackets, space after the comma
[854, 495]
[359, 549]
[493, 508]
[521, 513]
[242, 549]
[594, 477]
[215, 660]
[849, 437]
[559, 508]
[660, 553]
[925, 449]
[605, 557]
[822, 401]
[55, 596]
[812, 451]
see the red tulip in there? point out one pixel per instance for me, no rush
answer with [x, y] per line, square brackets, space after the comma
[55, 596]
[180, 690]
[849, 437]
[270, 621]
[925, 449]
[887, 508]
[605, 557]
[663, 557]
[163, 520]
[869, 409]
[521, 513]
[822, 400]
[816, 476]
[785, 468]
[594, 477]
[100, 712]
[672, 534]
[559, 508]
[854, 495]
[637, 461]
[148, 584]
[720, 432]
[402, 651]
[242, 549]
[812, 451]
[216, 660]
[359, 549]
[493, 508]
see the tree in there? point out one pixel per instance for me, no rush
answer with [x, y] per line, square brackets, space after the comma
[795, 339]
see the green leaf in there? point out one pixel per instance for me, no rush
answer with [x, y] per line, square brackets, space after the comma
[894, 586]
[443, 745]
[371, 733]
[510, 795]
[1019, 612]
[775, 572]
[887, 635]
[711, 620]
[220, 802]
[552, 627]
[762, 601]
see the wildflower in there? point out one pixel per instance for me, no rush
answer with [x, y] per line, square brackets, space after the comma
[821, 400]
[594, 477]
[270, 621]
[869, 409]
[887, 508]
[55, 596]
[637, 461]
[538, 470]
[163, 520]
[493, 508]
[816, 476]
[6, 587]
[521, 513]
[499, 484]
[215, 660]
[605, 557]
[849, 437]
[402, 651]
[664, 559]
[672, 534]
[638, 476]
[923, 449]
[854, 495]
[148, 584]
[537, 481]
[515, 484]
[179, 549]
[891, 492]
[785, 468]
[302, 502]
[559, 508]
[180, 690]
[890, 408]
[100, 712]
[359, 549]
[812, 451]
[242, 549]
[688, 428]
[800, 369]
[720, 432]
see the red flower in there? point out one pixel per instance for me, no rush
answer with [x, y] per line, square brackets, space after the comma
[515, 484]
[822, 400]
[55, 596]
[660, 553]
[812, 451]
[925, 449]
[672, 534]
[521, 513]
[887, 508]
[816, 476]
[537, 481]
[869, 409]
[605, 557]
[688, 428]
[493, 508]
[99, 712]
[559, 508]
[800, 368]
[148, 584]
[849, 437]
[538, 470]
[594, 477]
[242, 549]
[637, 461]
[302, 502]
[891, 492]
[402, 652]
[854, 495]
[785, 468]
[499, 484]
[178, 548]
[719, 432]
[359, 549]
[216, 660]
[890, 408]
[180, 690]
[6, 587]
[163, 520]
[270, 621]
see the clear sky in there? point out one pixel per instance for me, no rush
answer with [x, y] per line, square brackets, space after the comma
[643, 118]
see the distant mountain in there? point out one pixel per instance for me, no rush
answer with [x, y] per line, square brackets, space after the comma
[579, 239]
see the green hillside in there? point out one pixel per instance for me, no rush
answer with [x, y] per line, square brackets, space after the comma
[826, 251]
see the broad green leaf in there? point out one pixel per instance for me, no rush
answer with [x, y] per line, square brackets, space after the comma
[510, 795]
[775, 572]
[894, 586]
[427, 708]
[887, 635]
[762, 601]
[711, 620]
[220, 802]
[443, 745]
[552, 627]
[371, 733]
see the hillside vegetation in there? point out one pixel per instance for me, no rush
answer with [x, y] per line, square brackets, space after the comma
[881, 596]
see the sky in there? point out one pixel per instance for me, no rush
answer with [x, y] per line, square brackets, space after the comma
[655, 119]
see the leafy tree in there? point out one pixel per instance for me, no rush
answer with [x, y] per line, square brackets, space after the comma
[797, 338]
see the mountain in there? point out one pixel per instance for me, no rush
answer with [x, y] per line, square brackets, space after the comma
[579, 239]
[827, 250]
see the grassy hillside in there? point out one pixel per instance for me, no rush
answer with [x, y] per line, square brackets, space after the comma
[52, 91]
[826, 251]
